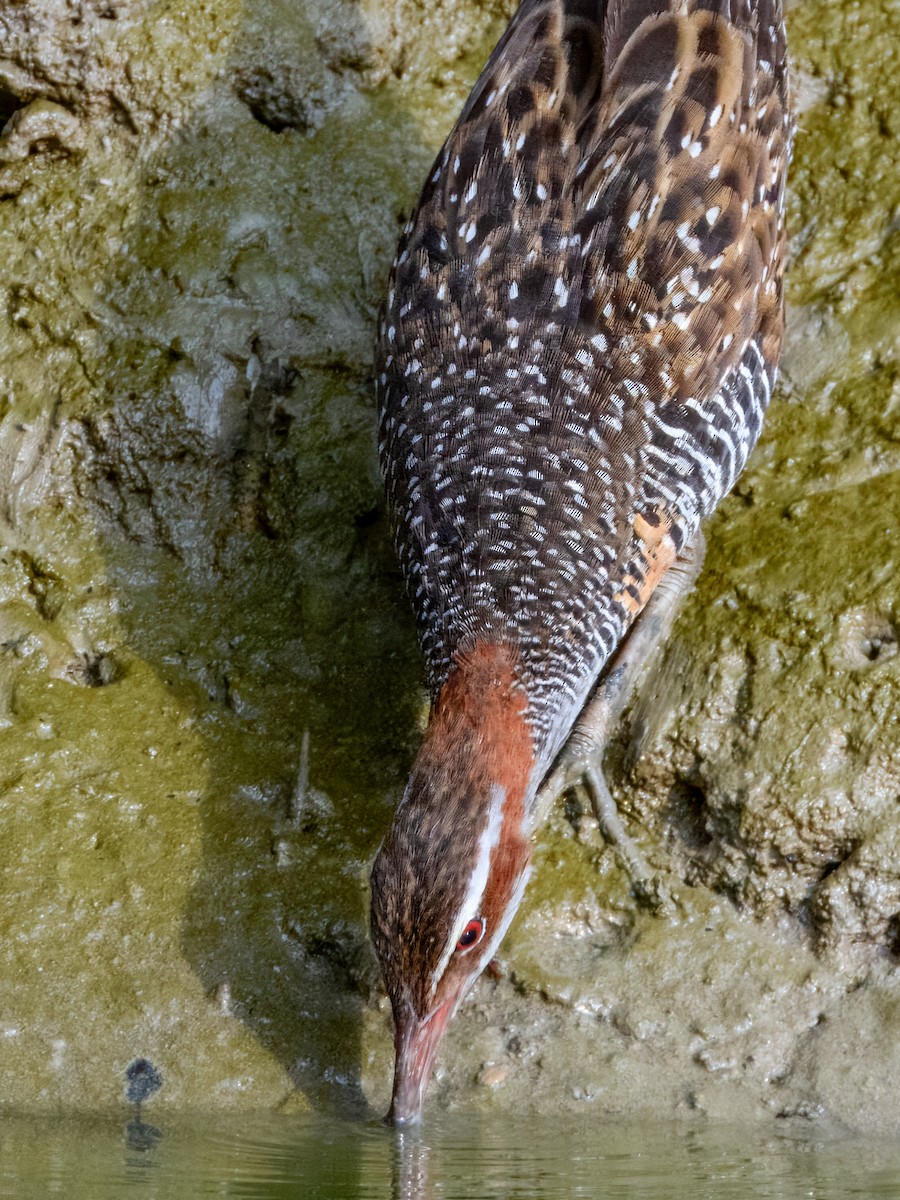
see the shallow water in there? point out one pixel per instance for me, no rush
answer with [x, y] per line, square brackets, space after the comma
[466, 1155]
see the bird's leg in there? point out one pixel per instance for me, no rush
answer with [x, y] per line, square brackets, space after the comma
[581, 762]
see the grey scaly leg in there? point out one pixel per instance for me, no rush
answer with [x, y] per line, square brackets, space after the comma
[581, 763]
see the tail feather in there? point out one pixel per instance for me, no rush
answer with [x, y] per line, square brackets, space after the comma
[549, 59]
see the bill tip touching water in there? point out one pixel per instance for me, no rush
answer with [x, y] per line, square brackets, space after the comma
[579, 343]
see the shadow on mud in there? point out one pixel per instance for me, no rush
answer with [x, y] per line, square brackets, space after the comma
[236, 463]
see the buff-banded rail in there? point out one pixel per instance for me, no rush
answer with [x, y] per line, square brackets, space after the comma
[579, 343]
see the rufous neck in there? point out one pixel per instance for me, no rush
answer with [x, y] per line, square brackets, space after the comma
[479, 722]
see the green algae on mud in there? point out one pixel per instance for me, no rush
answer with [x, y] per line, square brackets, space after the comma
[209, 688]
[193, 524]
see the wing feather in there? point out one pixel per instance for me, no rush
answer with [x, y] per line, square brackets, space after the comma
[583, 323]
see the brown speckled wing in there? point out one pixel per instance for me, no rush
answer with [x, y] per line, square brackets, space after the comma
[582, 326]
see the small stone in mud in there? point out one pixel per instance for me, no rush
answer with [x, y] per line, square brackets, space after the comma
[143, 1080]
[493, 1075]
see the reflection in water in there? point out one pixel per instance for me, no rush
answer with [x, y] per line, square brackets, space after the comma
[410, 1161]
[141, 1136]
[274, 1157]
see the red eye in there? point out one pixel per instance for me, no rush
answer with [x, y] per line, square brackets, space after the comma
[471, 935]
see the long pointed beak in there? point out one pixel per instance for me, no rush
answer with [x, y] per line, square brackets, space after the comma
[416, 1043]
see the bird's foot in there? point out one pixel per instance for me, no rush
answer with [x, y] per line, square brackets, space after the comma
[583, 775]
[581, 763]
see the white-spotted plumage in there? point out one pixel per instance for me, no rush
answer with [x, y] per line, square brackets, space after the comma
[593, 281]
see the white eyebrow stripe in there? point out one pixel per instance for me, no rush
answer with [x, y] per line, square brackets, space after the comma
[471, 905]
[511, 908]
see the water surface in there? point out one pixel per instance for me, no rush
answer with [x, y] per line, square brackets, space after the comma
[463, 1155]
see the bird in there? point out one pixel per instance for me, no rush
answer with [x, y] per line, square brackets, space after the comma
[578, 345]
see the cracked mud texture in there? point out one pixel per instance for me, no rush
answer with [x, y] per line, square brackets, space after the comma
[209, 685]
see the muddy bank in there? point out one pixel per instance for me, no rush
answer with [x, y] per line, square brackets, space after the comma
[209, 687]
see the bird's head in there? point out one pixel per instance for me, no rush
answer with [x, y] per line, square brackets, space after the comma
[451, 872]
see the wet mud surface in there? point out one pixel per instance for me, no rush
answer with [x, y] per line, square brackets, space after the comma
[209, 684]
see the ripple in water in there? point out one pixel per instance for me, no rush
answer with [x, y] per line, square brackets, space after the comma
[269, 1157]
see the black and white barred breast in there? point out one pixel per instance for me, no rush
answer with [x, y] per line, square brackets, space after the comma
[583, 325]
